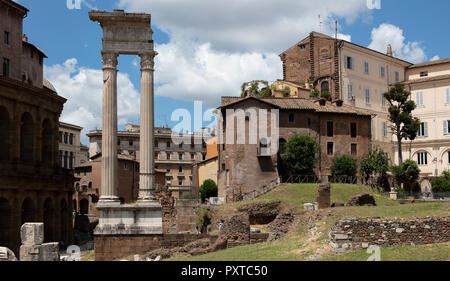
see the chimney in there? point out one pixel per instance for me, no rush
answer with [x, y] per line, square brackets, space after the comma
[389, 50]
[24, 38]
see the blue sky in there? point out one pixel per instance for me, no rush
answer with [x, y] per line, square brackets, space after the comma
[209, 47]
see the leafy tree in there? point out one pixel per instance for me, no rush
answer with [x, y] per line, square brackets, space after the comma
[256, 87]
[300, 155]
[375, 163]
[344, 167]
[442, 183]
[406, 173]
[315, 93]
[405, 126]
[208, 189]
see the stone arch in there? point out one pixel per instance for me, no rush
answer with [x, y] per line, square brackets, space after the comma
[26, 138]
[64, 220]
[84, 206]
[49, 215]
[5, 222]
[426, 186]
[47, 142]
[444, 156]
[4, 133]
[28, 211]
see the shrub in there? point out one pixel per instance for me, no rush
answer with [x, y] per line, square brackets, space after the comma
[300, 155]
[315, 94]
[325, 95]
[344, 167]
[208, 189]
[407, 173]
[375, 163]
[442, 183]
[203, 219]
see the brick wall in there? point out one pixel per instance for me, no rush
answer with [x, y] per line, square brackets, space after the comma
[352, 234]
[108, 248]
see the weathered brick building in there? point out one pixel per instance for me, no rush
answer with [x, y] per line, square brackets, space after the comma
[33, 187]
[244, 168]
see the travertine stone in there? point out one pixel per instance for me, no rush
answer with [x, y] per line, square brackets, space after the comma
[32, 233]
[7, 255]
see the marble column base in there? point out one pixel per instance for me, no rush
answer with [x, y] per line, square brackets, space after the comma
[129, 219]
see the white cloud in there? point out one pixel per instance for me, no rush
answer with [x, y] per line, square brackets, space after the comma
[390, 34]
[82, 87]
[435, 58]
[191, 70]
[247, 26]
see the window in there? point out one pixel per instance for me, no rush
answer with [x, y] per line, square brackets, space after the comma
[330, 148]
[397, 77]
[6, 67]
[65, 160]
[60, 137]
[168, 156]
[422, 158]
[125, 166]
[423, 130]
[302, 47]
[204, 156]
[168, 144]
[447, 95]
[180, 182]
[66, 136]
[6, 39]
[382, 72]
[156, 156]
[71, 139]
[330, 129]
[180, 145]
[383, 100]
[366, 67]
[118, 142]
[354, 149]
[353, 131]
[291, 118]
[192, 156]
[372, 127]
[180, 156]
[71, 160]
[130, 143]
[424, 74]
[348, 62]
[384, 129]
[349, 91]
[446, 127]
[180, 169]
[367, 96]
[419, 98]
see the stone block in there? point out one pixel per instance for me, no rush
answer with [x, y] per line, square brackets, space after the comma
[30, 252]
[32, 233]
[324, 198]
[7, 255]
[49, 252]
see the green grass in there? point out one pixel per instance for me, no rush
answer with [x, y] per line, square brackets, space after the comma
[297, 245]
[436, 252]
[89, 256]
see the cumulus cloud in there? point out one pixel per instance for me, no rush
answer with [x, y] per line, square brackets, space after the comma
[435, 58]
[247, 26]
[82, 87]
[390, 34]
[189, 70]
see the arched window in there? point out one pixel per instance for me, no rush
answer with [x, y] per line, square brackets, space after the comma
[47, 139]
[325, 87]
[26, 138]
[4, 134]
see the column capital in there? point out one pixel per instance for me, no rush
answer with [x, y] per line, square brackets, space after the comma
[147, 60]
[109, 59]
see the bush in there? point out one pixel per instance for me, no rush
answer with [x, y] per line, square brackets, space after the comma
[203, 220]
[442, 183]
[300, 155]
[375, 163]
[315, 94]
[344, 167]
[325, 95]
[208, 189]
[407, 173]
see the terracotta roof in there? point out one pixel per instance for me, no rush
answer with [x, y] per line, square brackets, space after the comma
[428, 79]
[299, 104]
[430, 63]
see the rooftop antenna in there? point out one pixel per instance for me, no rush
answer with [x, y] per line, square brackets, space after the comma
[320, 24]
[336, 34]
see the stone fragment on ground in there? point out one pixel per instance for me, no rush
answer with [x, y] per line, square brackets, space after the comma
[362, 200]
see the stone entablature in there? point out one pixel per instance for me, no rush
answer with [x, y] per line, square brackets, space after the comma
[352, 234]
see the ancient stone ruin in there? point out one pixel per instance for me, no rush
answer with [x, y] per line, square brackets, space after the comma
[33, 247]
[324, 198]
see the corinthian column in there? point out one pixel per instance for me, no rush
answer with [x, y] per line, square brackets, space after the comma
[109, 190]
[147, 166]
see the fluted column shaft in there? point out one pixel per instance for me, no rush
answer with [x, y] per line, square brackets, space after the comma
[147, 166]
[109, 188]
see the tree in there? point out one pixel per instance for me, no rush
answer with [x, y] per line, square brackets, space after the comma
[208, 189]
[254, 87]
[300, 155]
[442, 183]
[406, 173]
[375, 163]
[405, 126]
[344, 167]
[315, 93]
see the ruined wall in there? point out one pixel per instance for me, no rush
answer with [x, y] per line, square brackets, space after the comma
[186, 216]
[352, 234]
